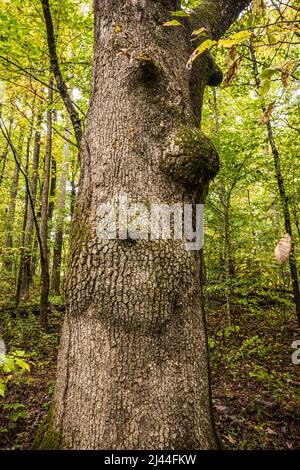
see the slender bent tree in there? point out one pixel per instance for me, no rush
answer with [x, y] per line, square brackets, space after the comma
[29, 232]
[12, 206]
[133, 365]
[5, 153]
[59, 233]
[45, 277]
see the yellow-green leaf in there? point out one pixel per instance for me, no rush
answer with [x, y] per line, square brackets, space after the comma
[271, 37]
[268, 73]
[22, 364]
[172, 23]
[204, 46]
[2, 388]
[118, 28]
[198, 31]
[265, 86]
[286, 73]
[236, 38]
[180, 14]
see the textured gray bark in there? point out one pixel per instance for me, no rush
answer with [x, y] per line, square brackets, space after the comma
[133, 363]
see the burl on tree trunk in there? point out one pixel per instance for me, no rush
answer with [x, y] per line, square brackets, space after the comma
[133, 363]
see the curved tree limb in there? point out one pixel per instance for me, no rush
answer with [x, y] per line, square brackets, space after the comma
[218, 15]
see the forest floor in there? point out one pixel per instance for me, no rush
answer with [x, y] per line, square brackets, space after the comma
[255, 385]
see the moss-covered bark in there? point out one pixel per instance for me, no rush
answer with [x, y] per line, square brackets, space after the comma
[217, 15]
[190, 158]
[47, 437]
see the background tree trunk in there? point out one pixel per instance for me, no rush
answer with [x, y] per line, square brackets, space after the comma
[5, 153]
[29, 232]
[45, 278]
[12, 206]
[282, 192]
[25, 211]
[224, 195]
[52, 190]
[52, 182]
[58, 239]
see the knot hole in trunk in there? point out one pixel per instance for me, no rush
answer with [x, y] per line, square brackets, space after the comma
[147, 74]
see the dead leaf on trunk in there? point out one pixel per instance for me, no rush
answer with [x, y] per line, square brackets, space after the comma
[283, 249]
[232, 71]
[286, 72]
[267, 114]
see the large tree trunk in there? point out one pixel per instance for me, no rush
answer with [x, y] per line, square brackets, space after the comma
[133, 363]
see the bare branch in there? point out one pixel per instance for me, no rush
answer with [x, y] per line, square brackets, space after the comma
[26, 72]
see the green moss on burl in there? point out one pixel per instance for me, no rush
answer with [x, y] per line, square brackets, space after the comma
[190, 158]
